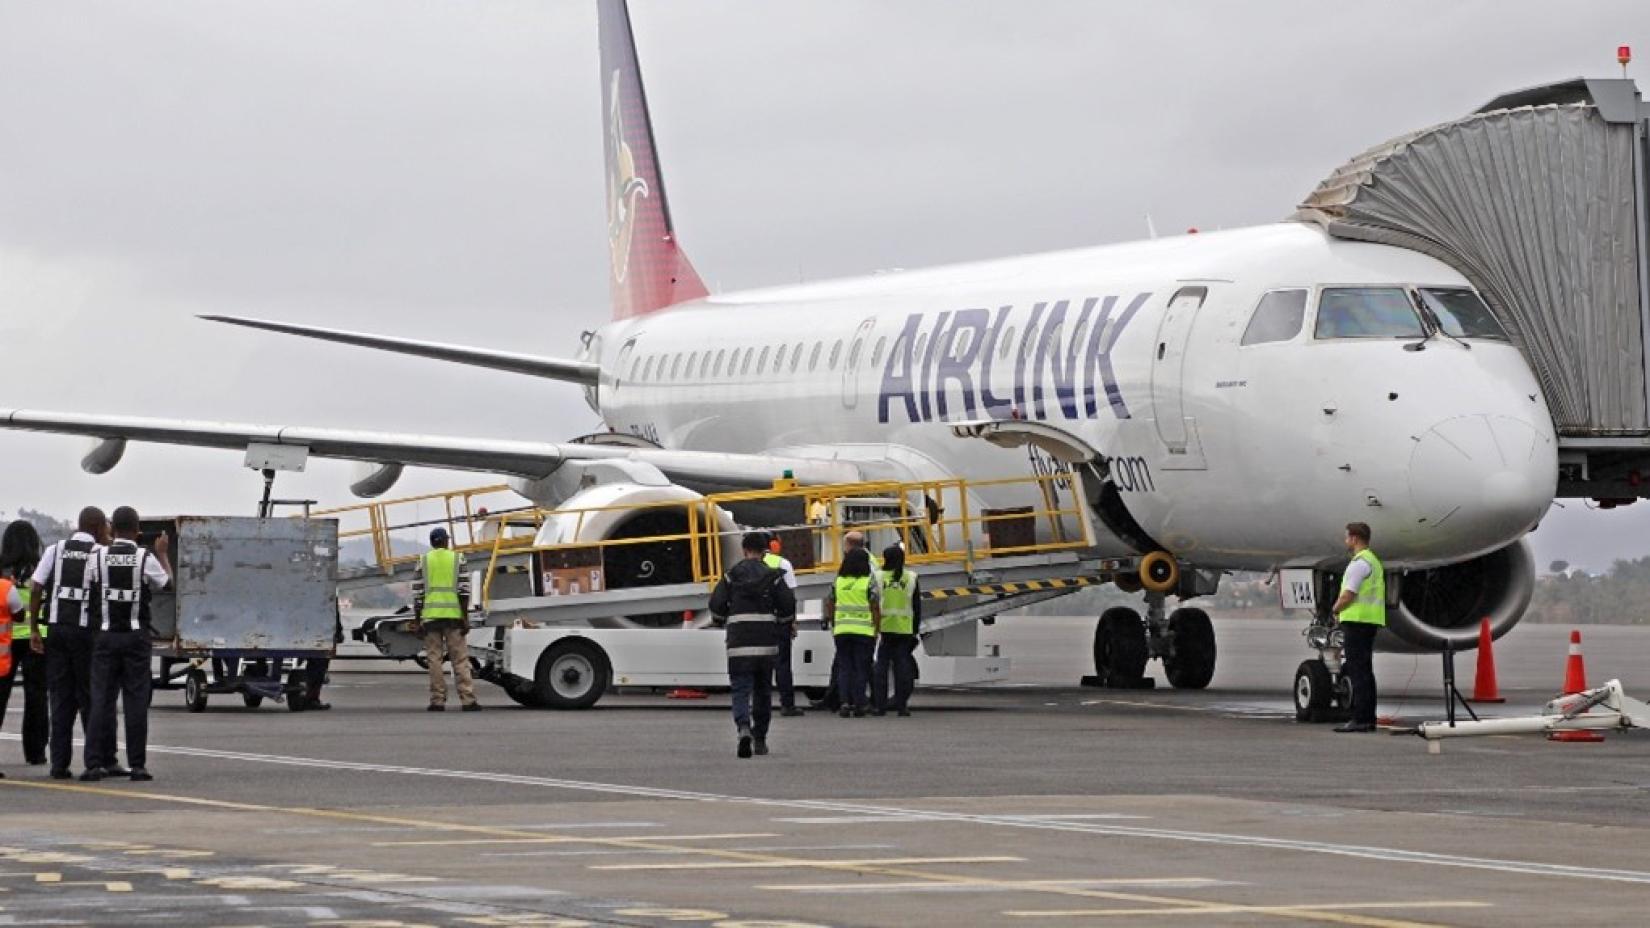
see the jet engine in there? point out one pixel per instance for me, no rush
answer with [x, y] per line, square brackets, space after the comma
[1446, 604]
[658, 514]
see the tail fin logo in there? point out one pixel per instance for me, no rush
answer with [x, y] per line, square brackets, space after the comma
[624, 186]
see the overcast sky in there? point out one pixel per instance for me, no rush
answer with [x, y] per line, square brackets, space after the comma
[433, 169]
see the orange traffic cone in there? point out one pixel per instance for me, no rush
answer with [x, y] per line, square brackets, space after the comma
[1575, 680]
[1484, 688]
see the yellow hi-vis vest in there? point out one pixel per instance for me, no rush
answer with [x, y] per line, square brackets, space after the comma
[897, 615]
[1369, 606]
[20, 623]
[853, 607]
[441, 586]
[772, 560]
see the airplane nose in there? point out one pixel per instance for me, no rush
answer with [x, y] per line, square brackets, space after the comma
[1483, 479]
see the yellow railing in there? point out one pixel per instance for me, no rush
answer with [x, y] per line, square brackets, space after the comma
[936, 522]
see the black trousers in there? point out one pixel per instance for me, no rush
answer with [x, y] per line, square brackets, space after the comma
[315, 676]
[69, 682]
[895, 653]
[752, 695]
[1358, 663]
[36, 728]
[854, 668]
[783, 679]
[120, 669]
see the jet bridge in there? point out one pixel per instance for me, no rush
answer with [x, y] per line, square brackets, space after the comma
[1540, 199]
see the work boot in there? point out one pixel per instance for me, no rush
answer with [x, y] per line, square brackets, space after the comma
[36, 761]
[141, 775]
[316, 705]
[791, 712]
[859, 712]
[437, 707]
[903, 713]
[62, 773]
[761, 746]
[1354, 727]
[116, 770]
[879, 713]
[744, 743]
[844, 712]
[92, 775]
[472, 707]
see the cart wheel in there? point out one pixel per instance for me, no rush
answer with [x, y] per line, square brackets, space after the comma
[252, 700]
[297, 691]
[194, 691]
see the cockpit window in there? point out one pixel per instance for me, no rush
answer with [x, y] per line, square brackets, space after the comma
[1278, 318]
[1367, 312]
[1462, 313]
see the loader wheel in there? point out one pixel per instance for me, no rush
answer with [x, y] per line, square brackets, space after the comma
[571, 674]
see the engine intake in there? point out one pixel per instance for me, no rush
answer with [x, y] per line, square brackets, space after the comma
[1445, 604]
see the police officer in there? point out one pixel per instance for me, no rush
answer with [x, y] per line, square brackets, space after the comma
[441, 601]
[783, 679]
[897, 645]
[758, 608]
[64, 588]
[1361, 608]
[128, 576]
[19, 553]
[854, 617]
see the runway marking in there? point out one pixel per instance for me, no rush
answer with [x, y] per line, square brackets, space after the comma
[575, 839]
[1243, 909]
[994, 886]
[1316, 848]
[802, 862]
[56, 879]
[1313, 914]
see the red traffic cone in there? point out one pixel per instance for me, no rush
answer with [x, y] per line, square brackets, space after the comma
[1484, 688]
[687, 618]
[1575, 680]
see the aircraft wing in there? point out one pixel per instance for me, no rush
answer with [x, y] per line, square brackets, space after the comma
[580, 372]
[490, 455]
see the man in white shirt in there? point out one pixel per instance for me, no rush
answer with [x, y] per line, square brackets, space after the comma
[64, 589]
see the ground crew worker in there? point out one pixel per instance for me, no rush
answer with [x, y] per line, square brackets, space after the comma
[854, 617]
[64, 588]
[19, 553]
[783, 679]
[315, 668]
[897, 646]
[128, 575]
[758, 608]
[441, 601]
[851, 541]
[1361, 608]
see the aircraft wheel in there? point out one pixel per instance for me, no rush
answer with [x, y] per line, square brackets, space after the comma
[1317, 698]
[571, 674]
[1190, 663]
[1120, 650]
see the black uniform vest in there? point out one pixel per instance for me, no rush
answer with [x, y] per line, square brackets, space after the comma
[74, 585]
[125, 595]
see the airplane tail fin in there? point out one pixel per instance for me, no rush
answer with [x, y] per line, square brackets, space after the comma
[649, 271]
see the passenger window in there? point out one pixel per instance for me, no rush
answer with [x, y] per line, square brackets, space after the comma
[716, 371]
[692, 360]
[876, 353]
[854, 353]
[813, 359]
[745, 365]
[1367, 312]
[1462, 313]
[1077, 336]
[836, 352]
[762, 362]
[1278, 318]
[916, 352]
[1007, 344]
[796, 356]
[647, 370]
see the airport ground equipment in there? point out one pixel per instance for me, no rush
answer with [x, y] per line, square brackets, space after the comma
[565, 611]
[1602, 709]
[251, 599]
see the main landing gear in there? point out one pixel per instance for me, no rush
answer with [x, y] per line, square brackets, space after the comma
[1124, 641]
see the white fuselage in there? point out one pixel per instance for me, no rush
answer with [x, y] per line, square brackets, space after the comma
[1229, 456]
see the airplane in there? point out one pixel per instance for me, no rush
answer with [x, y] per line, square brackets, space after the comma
[1239, 396]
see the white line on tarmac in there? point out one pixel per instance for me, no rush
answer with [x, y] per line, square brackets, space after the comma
[823, 864]
[1001, 886]
[1316, 848]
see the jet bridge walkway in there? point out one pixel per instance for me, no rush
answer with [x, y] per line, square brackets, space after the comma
[1541, 199]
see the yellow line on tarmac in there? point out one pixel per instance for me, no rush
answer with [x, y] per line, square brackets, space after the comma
[801, 862]
[1000, 885]
[1312, 914]
[570, 839]
[1221, 909]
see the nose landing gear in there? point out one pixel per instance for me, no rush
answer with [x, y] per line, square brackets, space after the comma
[1322, 692]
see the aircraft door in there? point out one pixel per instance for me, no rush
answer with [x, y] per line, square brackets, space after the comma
[858, 347]
[1169, 365]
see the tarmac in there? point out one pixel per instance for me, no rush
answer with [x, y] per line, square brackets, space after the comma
[1036, 802]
